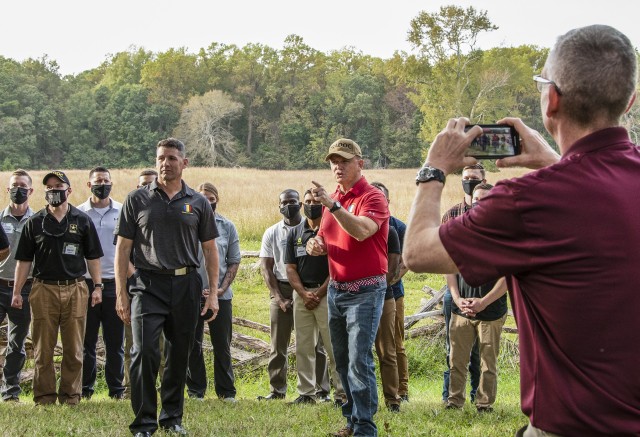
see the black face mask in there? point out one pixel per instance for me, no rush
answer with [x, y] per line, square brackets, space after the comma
[101, 191]
[312, 212]
[290, 211]
[55, 197]
[213, 205]
[18, 195]
[469, 184]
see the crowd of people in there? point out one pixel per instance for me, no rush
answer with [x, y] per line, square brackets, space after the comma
[152, 270]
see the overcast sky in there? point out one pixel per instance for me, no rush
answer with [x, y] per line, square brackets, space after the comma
[80, 35]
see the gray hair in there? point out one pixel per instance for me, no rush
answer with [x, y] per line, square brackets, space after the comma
[595, 68]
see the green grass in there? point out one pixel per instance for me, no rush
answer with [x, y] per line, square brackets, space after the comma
[424, 415]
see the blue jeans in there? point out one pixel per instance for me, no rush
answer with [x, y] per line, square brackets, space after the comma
[353, 323]
[474, 359]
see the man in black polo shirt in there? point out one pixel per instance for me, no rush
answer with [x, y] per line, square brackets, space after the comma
[164, 222]
[309, 277]
[57, 240]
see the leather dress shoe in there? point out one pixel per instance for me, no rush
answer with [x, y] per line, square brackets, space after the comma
[175, 429]
[271, 397]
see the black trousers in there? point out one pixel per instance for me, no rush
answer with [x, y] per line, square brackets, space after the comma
[169, 305]
[18, 329]
[113, 335]
[220, 331]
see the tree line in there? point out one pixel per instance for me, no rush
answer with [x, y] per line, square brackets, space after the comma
[261, 107]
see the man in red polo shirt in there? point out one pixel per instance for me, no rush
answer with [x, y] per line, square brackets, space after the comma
[567, 252]
[353, 233]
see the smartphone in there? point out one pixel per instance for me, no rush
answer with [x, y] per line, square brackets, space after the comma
[209, 312]
[497, 141]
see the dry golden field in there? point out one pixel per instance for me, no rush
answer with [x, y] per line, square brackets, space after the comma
[249, 197]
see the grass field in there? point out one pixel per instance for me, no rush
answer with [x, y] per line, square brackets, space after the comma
[250, 199]
[424, 415]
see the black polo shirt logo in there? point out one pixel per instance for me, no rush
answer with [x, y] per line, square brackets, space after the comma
[73, 228]
[187, 209]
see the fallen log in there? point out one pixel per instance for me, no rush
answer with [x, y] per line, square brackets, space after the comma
[250, 324]
[437, 297]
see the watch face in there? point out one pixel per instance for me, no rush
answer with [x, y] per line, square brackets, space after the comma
[427, 174]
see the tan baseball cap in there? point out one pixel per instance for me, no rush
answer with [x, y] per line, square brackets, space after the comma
[344, 147]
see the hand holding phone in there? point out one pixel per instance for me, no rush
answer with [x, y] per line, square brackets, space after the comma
[497, 141]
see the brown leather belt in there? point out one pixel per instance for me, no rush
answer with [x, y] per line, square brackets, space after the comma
[10, 283]
[61, 282]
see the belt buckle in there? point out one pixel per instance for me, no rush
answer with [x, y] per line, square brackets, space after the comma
[180, 272]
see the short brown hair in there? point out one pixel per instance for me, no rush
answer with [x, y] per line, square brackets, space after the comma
[148, 172]
[595, 67]
[172, 143]
[381, 187]
[99, 169]
[486, 186]
[477, 166]
[21, 172]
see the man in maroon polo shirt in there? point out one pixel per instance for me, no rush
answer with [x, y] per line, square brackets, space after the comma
[567, 252]
[353, 233]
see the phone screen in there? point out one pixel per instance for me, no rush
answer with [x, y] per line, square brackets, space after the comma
[496, 141]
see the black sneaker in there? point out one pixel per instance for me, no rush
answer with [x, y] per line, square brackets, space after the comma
[175, 429]
[404, 398]
[323, 396]
[394, 408]
[303, 399]
[486, 409]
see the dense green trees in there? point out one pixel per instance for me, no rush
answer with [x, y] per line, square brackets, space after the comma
[263, 107]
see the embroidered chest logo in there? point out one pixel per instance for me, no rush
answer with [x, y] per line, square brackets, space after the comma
[187, 209]
[73, 228]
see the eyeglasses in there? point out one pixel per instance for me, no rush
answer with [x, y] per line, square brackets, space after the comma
[541, 81]
[49, 234]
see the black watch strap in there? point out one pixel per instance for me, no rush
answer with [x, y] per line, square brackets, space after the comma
[336, 206]
[428, 174]
[98, 285]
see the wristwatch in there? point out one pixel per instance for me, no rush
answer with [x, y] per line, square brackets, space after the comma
[98, 285]
[428, 174]
[336, 206]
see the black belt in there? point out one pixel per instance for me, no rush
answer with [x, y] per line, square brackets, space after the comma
[108, 280]
[283, 282]
[312, 285]
[61, 282]
[10, 283]
[171, 272]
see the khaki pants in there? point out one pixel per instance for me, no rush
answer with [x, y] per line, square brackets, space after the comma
[386, 350]
[309, 325]
[281, 328]
[462, 334]
[58, 308]
[401, 356]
